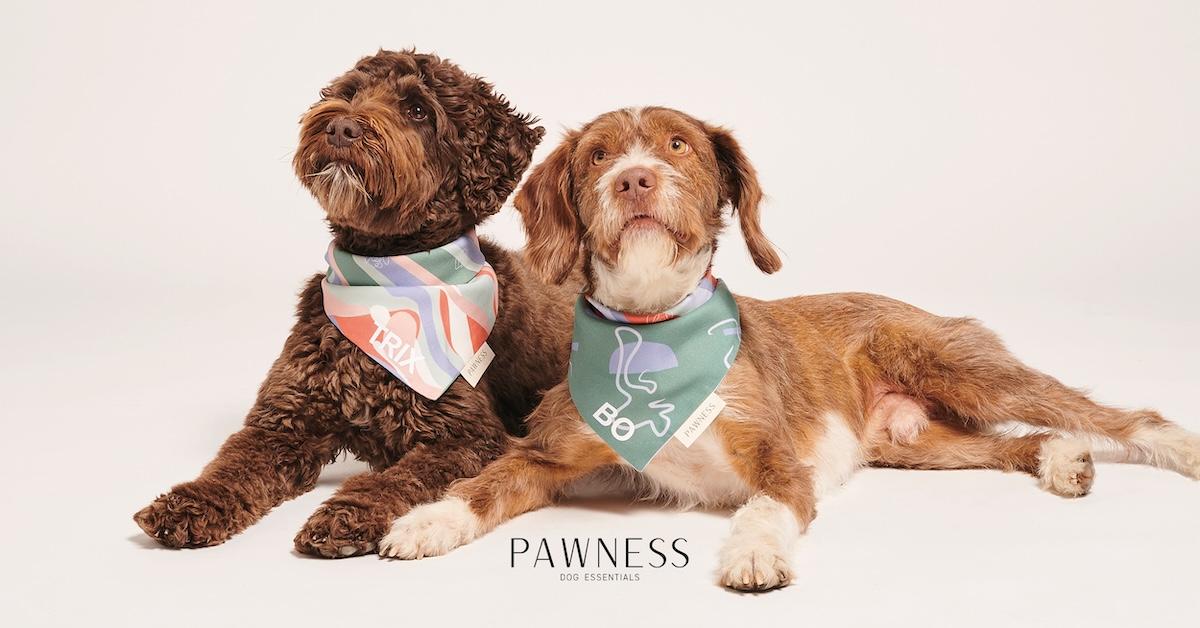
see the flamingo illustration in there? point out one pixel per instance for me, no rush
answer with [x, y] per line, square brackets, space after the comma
[637, 358]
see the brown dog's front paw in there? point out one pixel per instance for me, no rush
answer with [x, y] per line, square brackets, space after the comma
[341, 531]
[186, 517]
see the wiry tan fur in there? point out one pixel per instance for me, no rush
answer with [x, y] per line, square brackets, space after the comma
[822, 384]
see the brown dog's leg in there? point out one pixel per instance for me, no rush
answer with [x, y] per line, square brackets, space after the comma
[559, 450]
[966, 368]
[278, 455]
[255, 470]
[352, 521]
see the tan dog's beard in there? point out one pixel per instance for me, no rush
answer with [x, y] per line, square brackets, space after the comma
[650, 273]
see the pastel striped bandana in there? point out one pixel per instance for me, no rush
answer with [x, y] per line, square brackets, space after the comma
[425, 317]
[639, 381]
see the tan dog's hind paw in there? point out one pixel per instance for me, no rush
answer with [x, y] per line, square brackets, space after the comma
[754, 566]
[431, 530]
[1065, 467]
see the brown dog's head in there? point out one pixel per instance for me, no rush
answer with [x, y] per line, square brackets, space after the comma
[408, 146]
[641, 193]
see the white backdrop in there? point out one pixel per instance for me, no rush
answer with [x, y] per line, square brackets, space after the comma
[1030, 163]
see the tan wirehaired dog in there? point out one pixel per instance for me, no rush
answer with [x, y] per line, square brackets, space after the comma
[822, 384]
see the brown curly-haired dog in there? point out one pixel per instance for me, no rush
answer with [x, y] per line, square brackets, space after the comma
[405, 152]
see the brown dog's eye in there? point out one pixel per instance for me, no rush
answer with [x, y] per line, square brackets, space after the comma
[598, 156]
[678, 146]
[417, 112]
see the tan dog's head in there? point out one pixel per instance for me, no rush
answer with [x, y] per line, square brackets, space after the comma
[640, 193]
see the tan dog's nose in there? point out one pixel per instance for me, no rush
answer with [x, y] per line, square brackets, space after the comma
[342, 131]
[634, 183]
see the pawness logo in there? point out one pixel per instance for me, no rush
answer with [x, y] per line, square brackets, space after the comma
[598, 559]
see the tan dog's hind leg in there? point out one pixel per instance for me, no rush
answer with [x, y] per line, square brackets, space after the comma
[1063, 466]
[964, 367]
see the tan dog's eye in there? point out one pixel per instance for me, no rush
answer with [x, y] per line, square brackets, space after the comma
[598, 156]
[678, 146]
[417, 112]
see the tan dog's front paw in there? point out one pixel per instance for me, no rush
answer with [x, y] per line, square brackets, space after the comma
[754, 565]
[1066, 467]
[431, 530]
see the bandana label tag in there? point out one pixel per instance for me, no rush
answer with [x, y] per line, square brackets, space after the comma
[703, 417]
[474, 368]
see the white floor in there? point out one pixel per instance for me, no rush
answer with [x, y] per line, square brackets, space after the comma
[98, 424]
[1032, 164]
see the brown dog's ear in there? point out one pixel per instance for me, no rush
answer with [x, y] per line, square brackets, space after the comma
[490, 142]
[504, 146]
[740, 189]
[548, 212]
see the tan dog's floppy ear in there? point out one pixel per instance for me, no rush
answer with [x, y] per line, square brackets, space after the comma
[740, 184]
[548, 212]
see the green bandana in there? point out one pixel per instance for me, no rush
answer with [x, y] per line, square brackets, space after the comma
[636, 385]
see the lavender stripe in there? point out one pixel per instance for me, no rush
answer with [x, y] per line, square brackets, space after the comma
[425, 311]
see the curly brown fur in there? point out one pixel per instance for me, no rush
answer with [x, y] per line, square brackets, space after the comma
[416, 179]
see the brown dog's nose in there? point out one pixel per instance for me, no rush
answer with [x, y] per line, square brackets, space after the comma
[634, 182]
[342, 131]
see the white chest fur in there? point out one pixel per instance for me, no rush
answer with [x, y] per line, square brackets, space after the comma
[700, 475]
[835, 456]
